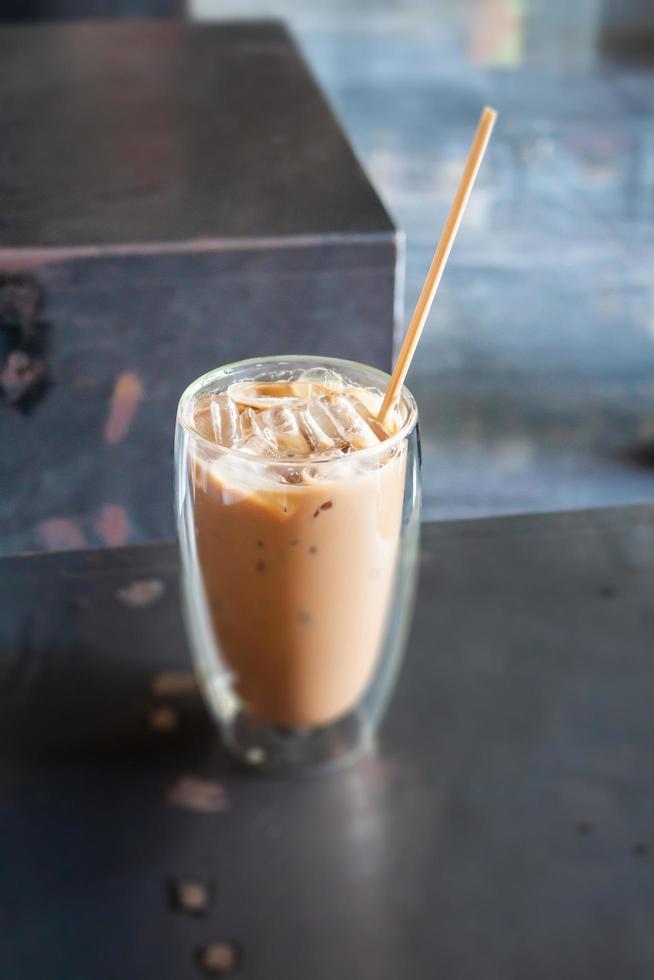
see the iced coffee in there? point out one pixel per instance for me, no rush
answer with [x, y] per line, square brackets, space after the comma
[296, 496]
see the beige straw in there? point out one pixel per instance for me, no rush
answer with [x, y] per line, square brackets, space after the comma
[441, 255]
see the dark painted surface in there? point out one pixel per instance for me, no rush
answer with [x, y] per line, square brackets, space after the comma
[28, 10]
[503, 830]
[180, 197]
[169, 132]
[91, 463]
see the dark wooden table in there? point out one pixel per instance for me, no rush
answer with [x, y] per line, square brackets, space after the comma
[505, 829]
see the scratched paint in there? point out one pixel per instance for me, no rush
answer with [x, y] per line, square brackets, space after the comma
[163, 718]
[173, 683]
[141, 594]
[190, 895]
[113, 525]
[61, 534]
[125, 398]
[218, 959]
[198, 795]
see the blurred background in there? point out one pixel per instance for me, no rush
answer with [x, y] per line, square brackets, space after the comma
[175, 194]
[535, 377]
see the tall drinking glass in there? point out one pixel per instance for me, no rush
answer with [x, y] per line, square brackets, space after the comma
[297, 580]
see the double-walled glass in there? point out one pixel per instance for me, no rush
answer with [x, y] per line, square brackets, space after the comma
[297, 579]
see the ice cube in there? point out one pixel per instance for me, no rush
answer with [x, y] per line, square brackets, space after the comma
[264, 394]
[283, 425]
[320, 427]
[358, 428]
[202, 418]
[255, 436]
[320, 433]
[256, 446]
[291, 432]
[322, 379]
[225, 420]
[273, 432]
[371, 398]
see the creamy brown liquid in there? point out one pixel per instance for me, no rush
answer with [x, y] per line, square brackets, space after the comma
[298, 581]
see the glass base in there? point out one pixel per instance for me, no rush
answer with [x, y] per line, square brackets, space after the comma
[288, 752]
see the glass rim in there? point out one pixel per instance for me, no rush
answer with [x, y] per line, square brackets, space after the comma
[192, 389]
